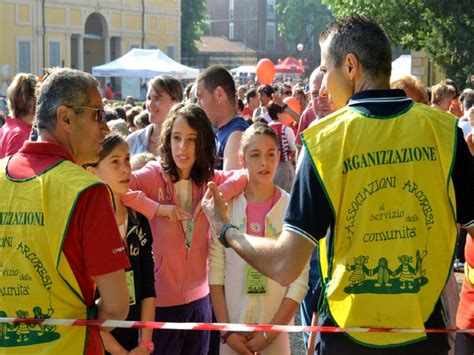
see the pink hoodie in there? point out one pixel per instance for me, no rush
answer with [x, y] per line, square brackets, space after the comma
[181, 275]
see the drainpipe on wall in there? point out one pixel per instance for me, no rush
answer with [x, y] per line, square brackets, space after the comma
[143, 24]
[44, 32]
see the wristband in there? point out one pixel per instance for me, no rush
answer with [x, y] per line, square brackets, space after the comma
[224, 229]
[225, 337]
[147, 345]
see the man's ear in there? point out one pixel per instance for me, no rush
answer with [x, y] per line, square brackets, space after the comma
[63, 120]
[352, 65]
[220, 93]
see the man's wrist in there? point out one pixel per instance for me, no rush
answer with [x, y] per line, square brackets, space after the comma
[223, 231]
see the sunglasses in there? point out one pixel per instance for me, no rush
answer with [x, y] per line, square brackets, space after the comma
[99, 112]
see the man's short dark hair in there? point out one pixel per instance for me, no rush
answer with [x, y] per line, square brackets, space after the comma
[218, 75]
[251, 93]
[267, 89]
[362, 37]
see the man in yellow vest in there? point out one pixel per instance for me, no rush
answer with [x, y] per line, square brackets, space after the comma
[382, 183]
[58, 237]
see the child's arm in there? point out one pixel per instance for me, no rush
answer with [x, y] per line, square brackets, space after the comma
[140, 202]
[216, 285]
[146, 334]
[312, 336]
[260, 340]
[142, 184]
[294, 295]
[145, 180]
[147, 283]
[231, 183]
[111, 344]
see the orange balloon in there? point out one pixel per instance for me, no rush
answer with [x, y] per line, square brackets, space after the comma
[293, 103]
[265, 71]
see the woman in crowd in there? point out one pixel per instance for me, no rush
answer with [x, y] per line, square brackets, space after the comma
[285, 173]
[114, 169]
[239, 293]
[21, 104]
[174, 187]
[163, 92]
[442, 95]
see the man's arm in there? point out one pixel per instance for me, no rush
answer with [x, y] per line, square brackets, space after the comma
[282, 259]
[114, 297]
[231, 152]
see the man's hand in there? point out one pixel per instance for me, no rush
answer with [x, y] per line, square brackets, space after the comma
[215, 207]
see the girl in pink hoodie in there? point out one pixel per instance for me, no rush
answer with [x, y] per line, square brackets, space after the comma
[181, 235]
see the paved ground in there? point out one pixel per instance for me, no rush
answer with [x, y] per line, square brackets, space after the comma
[296, 339]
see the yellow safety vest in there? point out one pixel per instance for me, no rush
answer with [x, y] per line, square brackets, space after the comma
[388, 181]
[36, 279]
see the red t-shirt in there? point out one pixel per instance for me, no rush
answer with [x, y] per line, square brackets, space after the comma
[93, 245]
[246, 112]
[465, 313]
[12, 136]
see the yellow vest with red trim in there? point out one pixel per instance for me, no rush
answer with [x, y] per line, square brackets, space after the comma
[388, 181]
[36, 279]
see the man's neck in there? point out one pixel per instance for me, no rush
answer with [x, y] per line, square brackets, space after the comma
[226, 116]
[367, 83]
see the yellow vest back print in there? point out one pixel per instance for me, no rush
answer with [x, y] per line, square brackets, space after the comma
[388, 183]
[36, 279]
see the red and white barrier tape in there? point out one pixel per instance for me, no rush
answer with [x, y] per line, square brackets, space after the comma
[224, 326]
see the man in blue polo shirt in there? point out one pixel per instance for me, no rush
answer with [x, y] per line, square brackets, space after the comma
[215, 91]
[381, 185]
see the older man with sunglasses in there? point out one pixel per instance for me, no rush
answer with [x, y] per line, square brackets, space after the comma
[62, 238]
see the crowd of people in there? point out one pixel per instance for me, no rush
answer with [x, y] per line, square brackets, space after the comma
[220, 202]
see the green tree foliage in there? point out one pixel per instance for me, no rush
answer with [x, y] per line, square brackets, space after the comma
[300, 20]
[192, 24]
[443, 29]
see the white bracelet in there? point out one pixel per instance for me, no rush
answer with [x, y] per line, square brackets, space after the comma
[265, 336]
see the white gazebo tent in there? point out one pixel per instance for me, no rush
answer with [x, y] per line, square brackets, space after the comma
[145, 63]
[401, 67]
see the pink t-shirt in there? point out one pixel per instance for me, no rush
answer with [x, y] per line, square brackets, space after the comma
[307, 117]
[256, 213]
[12, 136]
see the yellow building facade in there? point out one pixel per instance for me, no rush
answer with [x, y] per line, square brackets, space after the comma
[35, 34]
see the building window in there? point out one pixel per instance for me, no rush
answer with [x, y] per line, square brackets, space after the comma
[231, 9]
[270, 9]
[270, 36]
[153, 46]
[170, 51]
[231, 30]
[133, 46]
[24, 56]
[54, 54]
